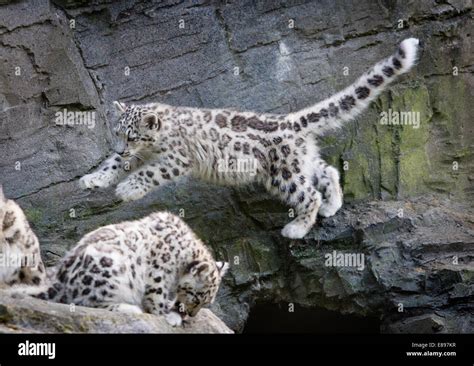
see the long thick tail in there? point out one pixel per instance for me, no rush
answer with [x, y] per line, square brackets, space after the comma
[30, 290]
[347, 104]
[45, 292]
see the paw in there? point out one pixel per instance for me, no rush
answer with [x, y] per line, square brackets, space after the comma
[128, 191]
[333, 175]
[330, 206]
[128, 308]
[93, 180]
[328, 210]
[174, 319]
[295, 230]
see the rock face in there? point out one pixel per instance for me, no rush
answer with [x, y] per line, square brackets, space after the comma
[21, 314]
[416, 273]
[272, 56]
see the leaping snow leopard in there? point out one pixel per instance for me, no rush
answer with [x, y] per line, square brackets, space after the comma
[171, 142]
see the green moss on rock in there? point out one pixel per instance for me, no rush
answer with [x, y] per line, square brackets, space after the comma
[34, 215]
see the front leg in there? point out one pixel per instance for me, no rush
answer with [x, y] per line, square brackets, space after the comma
[110, 172]
[148, 178]
[159, 298]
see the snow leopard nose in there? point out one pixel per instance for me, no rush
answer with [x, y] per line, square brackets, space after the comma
[120, 147]
[193, 312]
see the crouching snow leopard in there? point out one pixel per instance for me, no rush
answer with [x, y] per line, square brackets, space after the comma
[171, 142]
[156, 265]
[20, 257]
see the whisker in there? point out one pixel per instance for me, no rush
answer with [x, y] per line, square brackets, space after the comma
[138, 156]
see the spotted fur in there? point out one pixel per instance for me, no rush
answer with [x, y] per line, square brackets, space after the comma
[20, 258]
[172, 142]
[155, 265]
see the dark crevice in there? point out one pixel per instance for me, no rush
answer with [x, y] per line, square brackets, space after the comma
[278, 318]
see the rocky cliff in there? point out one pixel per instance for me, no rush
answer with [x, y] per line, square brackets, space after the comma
[408, 191]
[21, 314]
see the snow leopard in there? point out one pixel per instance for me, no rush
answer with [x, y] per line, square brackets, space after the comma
[159, 143]
[20, 257]
[155, 265]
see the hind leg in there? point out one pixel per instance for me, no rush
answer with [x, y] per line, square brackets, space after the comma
[326, 181]
[307, 206]
[299, 193]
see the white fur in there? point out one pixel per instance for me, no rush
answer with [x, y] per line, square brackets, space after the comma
[281, 149]
[20, 259]
[116, 266]
[295, 230]
[126, 308]
[410, 46]
[174, 319]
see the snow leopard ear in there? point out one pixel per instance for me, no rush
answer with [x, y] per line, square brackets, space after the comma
[120, 106]
[197, 267]
[223, 267]
[151, 121]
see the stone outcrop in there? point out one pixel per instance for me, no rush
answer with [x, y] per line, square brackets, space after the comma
[23, 314]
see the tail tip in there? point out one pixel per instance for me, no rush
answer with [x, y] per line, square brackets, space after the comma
[409, 51]
[410, 41]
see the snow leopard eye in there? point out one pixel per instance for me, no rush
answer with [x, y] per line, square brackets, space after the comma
[131, 136]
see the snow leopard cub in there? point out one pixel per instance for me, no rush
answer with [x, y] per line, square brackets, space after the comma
[20, 257]
[172, 142]
[155, 264]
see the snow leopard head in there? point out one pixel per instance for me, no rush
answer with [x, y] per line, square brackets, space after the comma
[199, 285]
[136, 130]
